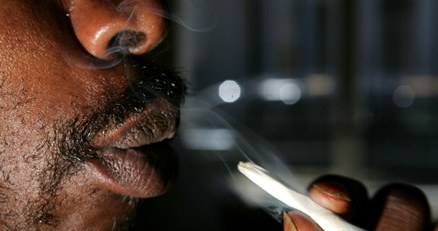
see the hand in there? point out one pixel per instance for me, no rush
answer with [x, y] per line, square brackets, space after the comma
[395, 207]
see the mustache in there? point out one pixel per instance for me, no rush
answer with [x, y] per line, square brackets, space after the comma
[149, 82]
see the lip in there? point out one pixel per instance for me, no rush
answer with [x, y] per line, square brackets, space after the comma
[154, 124]
[134, 156]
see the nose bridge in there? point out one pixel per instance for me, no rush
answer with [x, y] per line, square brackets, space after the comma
[135, 25]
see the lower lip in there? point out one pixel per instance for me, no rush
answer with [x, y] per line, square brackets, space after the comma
[138, 172]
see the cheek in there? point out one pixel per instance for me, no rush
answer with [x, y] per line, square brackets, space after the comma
[25, 157]
[39, 87]
[37, 76]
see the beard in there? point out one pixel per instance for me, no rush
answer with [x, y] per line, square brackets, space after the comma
[68, 142]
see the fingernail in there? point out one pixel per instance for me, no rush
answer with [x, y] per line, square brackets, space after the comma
[288, 224]
[333, 190]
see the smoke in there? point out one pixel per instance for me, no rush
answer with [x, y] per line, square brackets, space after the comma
[246, 146]
[190, 13]
[114, 56]
[118, 51]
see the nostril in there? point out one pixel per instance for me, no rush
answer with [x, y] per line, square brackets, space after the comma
[127, 39]
[104, 32]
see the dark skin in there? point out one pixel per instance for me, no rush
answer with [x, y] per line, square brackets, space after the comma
[80, 126]
[393, 207]
[84, 122]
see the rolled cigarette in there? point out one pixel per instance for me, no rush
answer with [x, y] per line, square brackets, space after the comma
[326, 219]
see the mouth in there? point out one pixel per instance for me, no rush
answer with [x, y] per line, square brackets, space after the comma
[134, 157]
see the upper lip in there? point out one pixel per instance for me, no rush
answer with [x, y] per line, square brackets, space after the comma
[156, 123]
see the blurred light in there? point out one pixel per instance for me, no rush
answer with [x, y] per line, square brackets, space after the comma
[218, 139]
[423, 85]
[290, 93]
[229, 91]
[319, 85]
[285, 90]
[403, 96]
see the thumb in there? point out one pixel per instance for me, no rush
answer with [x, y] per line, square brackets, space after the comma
[297, 221]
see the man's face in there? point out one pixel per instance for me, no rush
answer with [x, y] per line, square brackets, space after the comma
[82, 118]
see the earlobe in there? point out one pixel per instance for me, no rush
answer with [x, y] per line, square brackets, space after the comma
[136, 26]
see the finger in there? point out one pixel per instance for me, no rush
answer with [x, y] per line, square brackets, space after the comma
[344, 196]
[297, 221]
[400, 207]
[434, 227]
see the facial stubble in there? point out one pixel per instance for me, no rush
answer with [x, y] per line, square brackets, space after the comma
[68, 143]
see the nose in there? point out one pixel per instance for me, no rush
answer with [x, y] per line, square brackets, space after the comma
[135, 26]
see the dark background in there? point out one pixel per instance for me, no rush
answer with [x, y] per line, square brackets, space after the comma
[366, 74]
